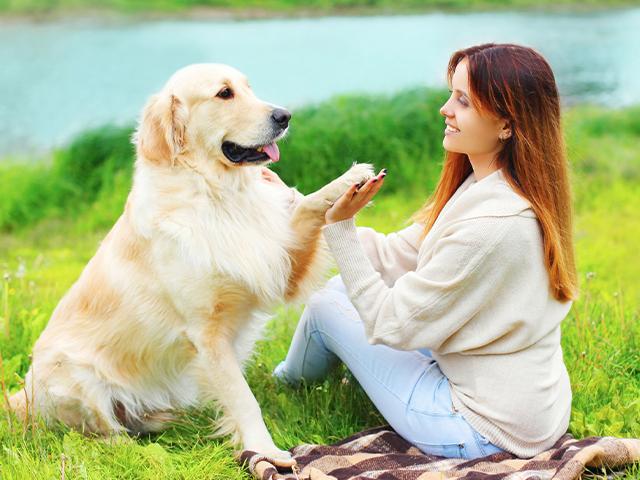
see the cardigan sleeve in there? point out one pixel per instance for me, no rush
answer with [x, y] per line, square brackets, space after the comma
[394, 254]
[428, 307]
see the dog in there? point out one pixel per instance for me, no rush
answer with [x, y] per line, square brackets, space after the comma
[168, 310]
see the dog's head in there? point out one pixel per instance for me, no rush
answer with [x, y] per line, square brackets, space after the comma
[209, 110]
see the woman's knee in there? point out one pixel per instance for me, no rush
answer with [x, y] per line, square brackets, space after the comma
[336, 283]
[328, 308]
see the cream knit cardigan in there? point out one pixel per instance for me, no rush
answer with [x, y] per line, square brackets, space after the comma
[476, 292]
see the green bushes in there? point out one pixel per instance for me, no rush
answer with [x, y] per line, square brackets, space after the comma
[92, 159]
[402, 132]
[26, 190]
[75, 178]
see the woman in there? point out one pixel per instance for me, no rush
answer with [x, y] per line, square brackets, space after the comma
[452, 325]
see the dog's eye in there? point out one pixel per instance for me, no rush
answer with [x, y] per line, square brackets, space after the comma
[225, 93]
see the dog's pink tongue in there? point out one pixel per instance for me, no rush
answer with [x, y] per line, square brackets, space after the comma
[273, 151]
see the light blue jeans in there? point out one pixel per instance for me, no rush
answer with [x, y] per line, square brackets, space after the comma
[407, 387]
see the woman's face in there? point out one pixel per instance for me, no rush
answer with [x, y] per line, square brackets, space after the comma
[468, 131]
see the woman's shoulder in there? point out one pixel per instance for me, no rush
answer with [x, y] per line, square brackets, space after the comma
[487, 212]
[498, 230]
[492, 196]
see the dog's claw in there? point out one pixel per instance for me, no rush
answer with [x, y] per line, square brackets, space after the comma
[284, 462]
[279, 458]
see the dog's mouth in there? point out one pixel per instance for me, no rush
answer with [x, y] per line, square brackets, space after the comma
[239, 154]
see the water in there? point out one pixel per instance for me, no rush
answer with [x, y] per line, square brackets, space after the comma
[60, 78]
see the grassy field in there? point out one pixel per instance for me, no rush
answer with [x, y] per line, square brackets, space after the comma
[253, 8]
[54, 214]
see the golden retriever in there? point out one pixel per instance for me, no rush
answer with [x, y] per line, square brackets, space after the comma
[168, 309]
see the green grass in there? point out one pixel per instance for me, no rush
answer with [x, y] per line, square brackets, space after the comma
[45, 247]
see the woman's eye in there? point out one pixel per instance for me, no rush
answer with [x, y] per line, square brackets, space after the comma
[463, 101]
[225, 93]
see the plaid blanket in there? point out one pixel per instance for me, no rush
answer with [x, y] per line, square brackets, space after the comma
[382, 454]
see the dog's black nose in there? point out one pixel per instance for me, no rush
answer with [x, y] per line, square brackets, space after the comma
[281, 117]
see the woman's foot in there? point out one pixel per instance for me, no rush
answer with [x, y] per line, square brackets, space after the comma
[280, 375]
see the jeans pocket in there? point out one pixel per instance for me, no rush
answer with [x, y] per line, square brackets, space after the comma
[431, 395]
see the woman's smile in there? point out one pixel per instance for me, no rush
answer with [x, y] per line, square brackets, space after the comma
[450, 129]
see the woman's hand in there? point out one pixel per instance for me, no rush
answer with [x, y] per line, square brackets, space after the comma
[354, 199]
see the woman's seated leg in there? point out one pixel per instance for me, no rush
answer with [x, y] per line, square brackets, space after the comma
[407, 387]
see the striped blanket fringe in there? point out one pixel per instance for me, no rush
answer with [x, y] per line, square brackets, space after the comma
[382, 454]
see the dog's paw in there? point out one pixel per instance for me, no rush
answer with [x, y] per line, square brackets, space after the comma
[280, 458]
[321, 200]
[358, 173]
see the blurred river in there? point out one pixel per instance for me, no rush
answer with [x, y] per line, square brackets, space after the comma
[57, 79]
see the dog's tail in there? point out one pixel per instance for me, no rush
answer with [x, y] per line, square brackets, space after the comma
[19, 405]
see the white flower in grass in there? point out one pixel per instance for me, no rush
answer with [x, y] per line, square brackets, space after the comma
[22, 269]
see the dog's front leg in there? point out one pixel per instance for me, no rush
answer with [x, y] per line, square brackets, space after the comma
[308, 219]
[225, 383]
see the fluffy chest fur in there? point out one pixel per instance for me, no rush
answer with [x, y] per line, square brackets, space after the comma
[204, 236]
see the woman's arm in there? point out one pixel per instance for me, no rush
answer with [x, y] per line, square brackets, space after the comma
[394, 254]
[430, 306]
[391, 255]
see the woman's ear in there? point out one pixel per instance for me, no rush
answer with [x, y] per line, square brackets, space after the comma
[161, 135]
[505, 132]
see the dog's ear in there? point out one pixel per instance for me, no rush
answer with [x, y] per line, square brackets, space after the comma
[161, 135]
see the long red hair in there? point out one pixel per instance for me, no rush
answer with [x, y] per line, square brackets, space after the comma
[516, 83]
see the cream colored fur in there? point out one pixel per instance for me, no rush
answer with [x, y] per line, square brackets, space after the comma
[168, 309]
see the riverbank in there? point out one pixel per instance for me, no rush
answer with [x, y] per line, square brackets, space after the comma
[115, 11]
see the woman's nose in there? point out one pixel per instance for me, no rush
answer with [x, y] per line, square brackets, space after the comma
[445, 111]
